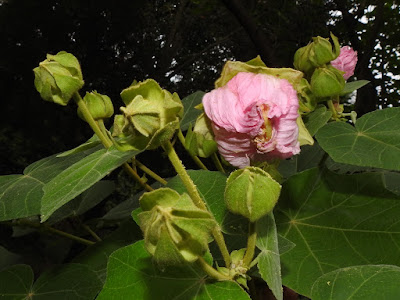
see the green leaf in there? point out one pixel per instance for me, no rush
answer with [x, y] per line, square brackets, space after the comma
[352, 86]
[85, 201]
[361, 282]
[20, 195]
[317, 119]
[211, 186]
[309, 157]
[96, 256]
[16, 282]
[336, 221]
[131, 274]
[269, 264]
[190, 113]
[92, 142]
[71, 281]
[392, 182]
[8, 258]
[79, 177]
[374, 141]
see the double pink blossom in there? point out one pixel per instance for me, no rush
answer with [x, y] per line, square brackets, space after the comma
[346, 61]
[254, 118]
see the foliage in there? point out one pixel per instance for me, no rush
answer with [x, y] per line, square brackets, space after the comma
[322, 224]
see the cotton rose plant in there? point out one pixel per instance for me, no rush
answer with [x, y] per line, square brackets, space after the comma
[254, 118]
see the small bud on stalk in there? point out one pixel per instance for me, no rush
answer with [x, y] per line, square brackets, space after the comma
[100, 106]
[58, 77]
[200, 141]
[251, 192]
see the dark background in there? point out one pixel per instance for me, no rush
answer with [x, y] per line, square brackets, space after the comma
[182, 44]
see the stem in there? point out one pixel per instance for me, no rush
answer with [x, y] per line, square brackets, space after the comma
[135, 176]
[197, 160]
[251, 244]
[332, 109]
[92, 233]
[150, 172]
[184, 176]
[217, 162]
[194, 194]
[89, 119]
[49, 229]
[211, 271]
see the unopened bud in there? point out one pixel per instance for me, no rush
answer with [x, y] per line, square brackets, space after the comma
[58, 77]
[200, 141]
[327, 82]
[99, 106]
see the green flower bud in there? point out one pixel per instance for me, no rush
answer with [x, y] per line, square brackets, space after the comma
[301, 59]
[200, 141]
[100, 106]
[251, 192]
[327, 81]
[58, 77]
[152, 112]
[316, 54]
[175, 230]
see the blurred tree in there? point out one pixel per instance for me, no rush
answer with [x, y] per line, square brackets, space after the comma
[182, 44]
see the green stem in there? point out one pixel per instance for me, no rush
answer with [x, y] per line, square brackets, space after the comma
[135, 176]
[217, 162]
[89, 119]
[251, 244]
[184, 176]
[194, 194]
[49, 229]
[150, 172]
[332, 109]
[197, 160]
[210, 271]
[92, 233]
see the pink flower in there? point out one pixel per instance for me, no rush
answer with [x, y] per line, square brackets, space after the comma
[346, 61]
[254, 118]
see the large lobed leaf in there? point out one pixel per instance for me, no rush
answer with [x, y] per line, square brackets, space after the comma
[374, 141]
[71, 281]
[131, 274]
[369, 282]
[79, 177]
[20, 195]
[336, 221]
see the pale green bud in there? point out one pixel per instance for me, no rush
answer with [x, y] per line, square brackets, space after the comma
[175, 230]
[153, 113]
[301, 59]
[251, 192]
[58, 77]
[327, 82]
[200, 141]
[99, 106]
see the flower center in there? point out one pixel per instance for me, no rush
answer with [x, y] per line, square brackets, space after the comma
[266, 128]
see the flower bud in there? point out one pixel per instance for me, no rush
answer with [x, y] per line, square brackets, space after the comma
[323, 52]
[152, 112]
[327, 82]
[301, 59]
[100, 106]
[251, 192]
[316, 54]
[58, 77]
[200, 141]
[346, 61]
[175, 230]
